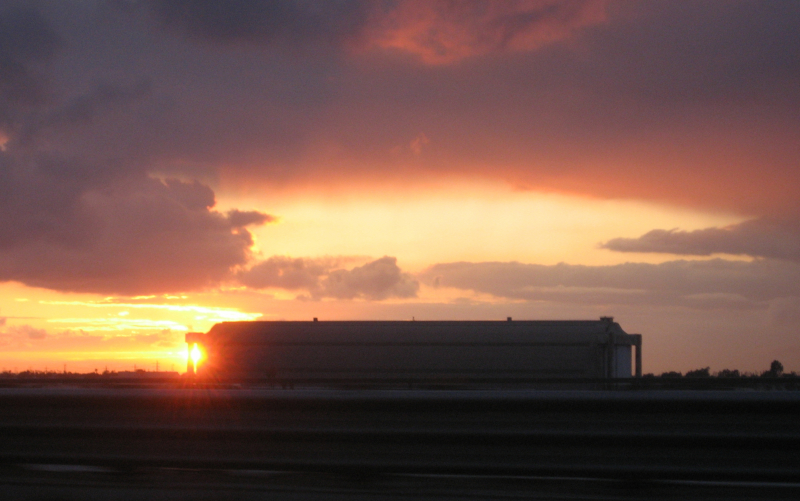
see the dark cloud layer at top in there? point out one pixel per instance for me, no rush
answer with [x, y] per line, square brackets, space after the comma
[26, 40]
[606, 99]
[435, 31]
[264, 22]
[763, 237]
[86, 108]
[590, 97]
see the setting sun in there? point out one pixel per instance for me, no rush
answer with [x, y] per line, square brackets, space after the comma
[197, 355]
[162, 172]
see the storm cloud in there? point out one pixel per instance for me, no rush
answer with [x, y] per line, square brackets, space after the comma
[81, 228]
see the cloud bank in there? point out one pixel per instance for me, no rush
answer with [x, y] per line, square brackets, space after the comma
[325, 278]
[698, 284]
[70, 222]
[763, 237]
[82, 228]
[589, 97]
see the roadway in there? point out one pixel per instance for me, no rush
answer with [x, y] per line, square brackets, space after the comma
[376, 444]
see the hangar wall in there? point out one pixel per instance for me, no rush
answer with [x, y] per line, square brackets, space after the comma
[417, 350]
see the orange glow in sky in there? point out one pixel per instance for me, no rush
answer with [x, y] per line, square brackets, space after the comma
[466, 222]
[463, 221]
[164, 168]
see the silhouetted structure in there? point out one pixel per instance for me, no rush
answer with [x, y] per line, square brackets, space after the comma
[416, 351]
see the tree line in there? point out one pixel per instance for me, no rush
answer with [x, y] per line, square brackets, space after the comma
[775, 371]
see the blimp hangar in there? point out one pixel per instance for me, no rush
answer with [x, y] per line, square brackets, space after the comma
[416, 351]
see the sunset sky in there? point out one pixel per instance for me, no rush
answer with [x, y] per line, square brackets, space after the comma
[169, 164]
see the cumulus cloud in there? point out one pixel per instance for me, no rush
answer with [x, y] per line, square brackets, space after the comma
[325, 278]
[762, 237]
[288, 273]
[377, 280]
[701, 284]
[74, 227]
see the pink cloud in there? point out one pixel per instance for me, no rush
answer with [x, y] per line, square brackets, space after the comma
[443, 32]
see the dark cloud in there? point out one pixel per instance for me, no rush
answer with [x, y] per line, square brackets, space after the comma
[85, 109]
[26, 41]
[602, 98]
[700, 284]
[324, 278]
[68, 227]
[763, 237]
[294, 22]
[435, 31]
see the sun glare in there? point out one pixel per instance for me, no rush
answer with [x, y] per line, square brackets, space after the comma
[196, 356]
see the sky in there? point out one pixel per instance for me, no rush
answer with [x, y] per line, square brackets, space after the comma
[169, 164]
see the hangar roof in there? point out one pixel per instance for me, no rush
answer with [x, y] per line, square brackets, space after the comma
[561, 332]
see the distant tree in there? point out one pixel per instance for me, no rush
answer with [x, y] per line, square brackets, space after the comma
[671, 374]
[704, 372]
[775, 370]
[728, 373]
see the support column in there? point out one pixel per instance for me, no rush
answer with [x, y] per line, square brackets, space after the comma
[637, 342]
[611, 357]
